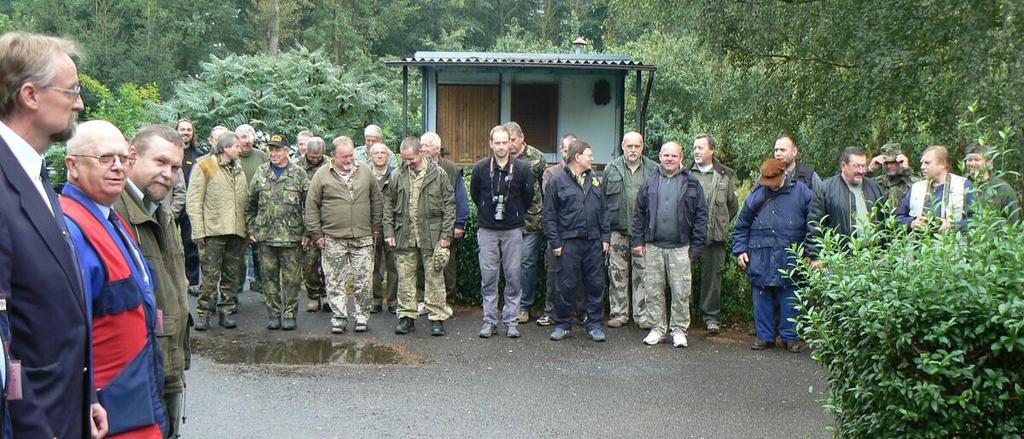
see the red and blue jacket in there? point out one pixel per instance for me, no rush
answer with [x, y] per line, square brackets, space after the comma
[127, 368]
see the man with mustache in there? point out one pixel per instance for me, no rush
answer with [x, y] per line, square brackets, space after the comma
[193, 152]
[844, 202]
[155, 158]
[119, 286]
[40, 284]
[344, 209]
[310, 161]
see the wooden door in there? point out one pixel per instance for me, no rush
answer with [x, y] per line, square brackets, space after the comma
[535, 108]
[465, 116]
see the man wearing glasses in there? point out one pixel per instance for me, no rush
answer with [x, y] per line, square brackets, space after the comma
[49, 344]
[844, 202]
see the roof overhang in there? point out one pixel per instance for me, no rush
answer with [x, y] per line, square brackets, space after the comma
[522, 60]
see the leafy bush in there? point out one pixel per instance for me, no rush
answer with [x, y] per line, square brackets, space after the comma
[130, 109]
[921, 335]
[288, 92]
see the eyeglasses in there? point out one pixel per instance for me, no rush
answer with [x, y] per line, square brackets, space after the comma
[106, 159]
[73, 92]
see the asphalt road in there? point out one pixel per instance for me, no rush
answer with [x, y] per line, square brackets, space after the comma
[461, 385]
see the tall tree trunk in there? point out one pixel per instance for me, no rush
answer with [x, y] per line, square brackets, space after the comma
[275, 27]
[334, 35]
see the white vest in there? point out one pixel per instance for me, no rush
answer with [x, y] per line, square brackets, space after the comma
[954, 196]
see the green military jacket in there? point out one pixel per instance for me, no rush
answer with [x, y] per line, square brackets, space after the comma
[895, 187]
[216, 199]
[160, 241]
[720, 194]
[620, 213]
[309, 167]
[277, 205]
[436, 208]
[534, 221]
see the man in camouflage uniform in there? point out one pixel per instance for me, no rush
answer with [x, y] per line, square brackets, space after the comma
[533, 228]
[896, 175]
[343, 214]
[622, 178]
[313, 276]
[277, 194]
[720, 194]
[385, 273]
[430, 143]
[992, 189]
[419, 217]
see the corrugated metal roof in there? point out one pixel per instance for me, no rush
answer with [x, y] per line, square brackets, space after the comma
[529, 60]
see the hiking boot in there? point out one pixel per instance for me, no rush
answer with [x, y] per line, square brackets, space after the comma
[679, 340]
[793, 346]
[596, 334]
[712, 327]
[226, 321]
[288, 324]
[202, 323]
[617, 322]
[524, 315]
[405, 326]
[436, 328]
[360, 326]
[274, 323]
[760, 345]
[544, 320]
[376, 309]
[559, 334]
[487, 330]
[654, 337]
[512, 331]
[313, 305]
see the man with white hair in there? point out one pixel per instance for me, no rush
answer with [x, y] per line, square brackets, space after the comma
[430, 144]
[250, 158]
[372, 134]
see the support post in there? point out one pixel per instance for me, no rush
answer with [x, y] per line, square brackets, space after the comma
[405, 101]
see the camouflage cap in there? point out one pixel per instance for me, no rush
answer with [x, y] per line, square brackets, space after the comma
[278, 140]
[891, 151]
[441, 256]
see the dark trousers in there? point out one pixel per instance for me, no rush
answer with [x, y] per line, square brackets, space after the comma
[766, 301]
[191, 249]
[582, 262]
[712, 267]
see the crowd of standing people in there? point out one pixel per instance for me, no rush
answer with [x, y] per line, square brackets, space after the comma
[94, 313]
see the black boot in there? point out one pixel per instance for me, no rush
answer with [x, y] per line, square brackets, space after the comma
[274, 323]
[288, 324]
[226, 321]
[436, 328]
[202, 323]
[405, 325]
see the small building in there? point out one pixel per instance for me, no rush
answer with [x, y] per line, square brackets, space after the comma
[465, 94]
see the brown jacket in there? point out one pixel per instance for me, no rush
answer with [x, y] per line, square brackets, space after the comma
[332, 210]
[161, 245]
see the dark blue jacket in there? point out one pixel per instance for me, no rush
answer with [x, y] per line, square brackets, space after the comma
[519, 190]
[769, 223]
[49, 323]
[690, 203]
[574, 211]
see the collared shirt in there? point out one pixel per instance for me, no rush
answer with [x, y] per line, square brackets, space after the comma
[30, 160]
[150, 206]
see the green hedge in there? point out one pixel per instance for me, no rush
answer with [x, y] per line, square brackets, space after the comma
[921, 335]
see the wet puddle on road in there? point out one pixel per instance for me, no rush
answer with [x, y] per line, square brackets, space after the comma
[300, 351]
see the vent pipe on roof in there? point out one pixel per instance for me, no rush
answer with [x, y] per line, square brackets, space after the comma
[581, 45]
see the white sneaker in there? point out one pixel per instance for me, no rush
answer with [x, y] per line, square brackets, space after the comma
[654, 337]
[679, 340]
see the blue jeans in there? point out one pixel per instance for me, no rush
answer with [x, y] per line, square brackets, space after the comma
[766, 299]
[531, 256]
[500, 250]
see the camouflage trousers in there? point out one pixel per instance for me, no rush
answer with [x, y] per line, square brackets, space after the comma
[409, 261]
[221, 262]
[671, 266]
[385, 274]
[282, 277]
[626, 270]
[348, 260]
[313, 273]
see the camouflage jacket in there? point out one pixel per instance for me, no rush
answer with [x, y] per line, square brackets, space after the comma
[309, 167]
[894, 187]
[436, 208]
[276, 205]
[534, 221]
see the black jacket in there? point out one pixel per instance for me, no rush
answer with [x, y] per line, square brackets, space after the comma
[832, 206]
[574, 211]
[518, 190]
[691, 206]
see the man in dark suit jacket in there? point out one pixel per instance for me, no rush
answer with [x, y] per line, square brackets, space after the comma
[51, 393]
